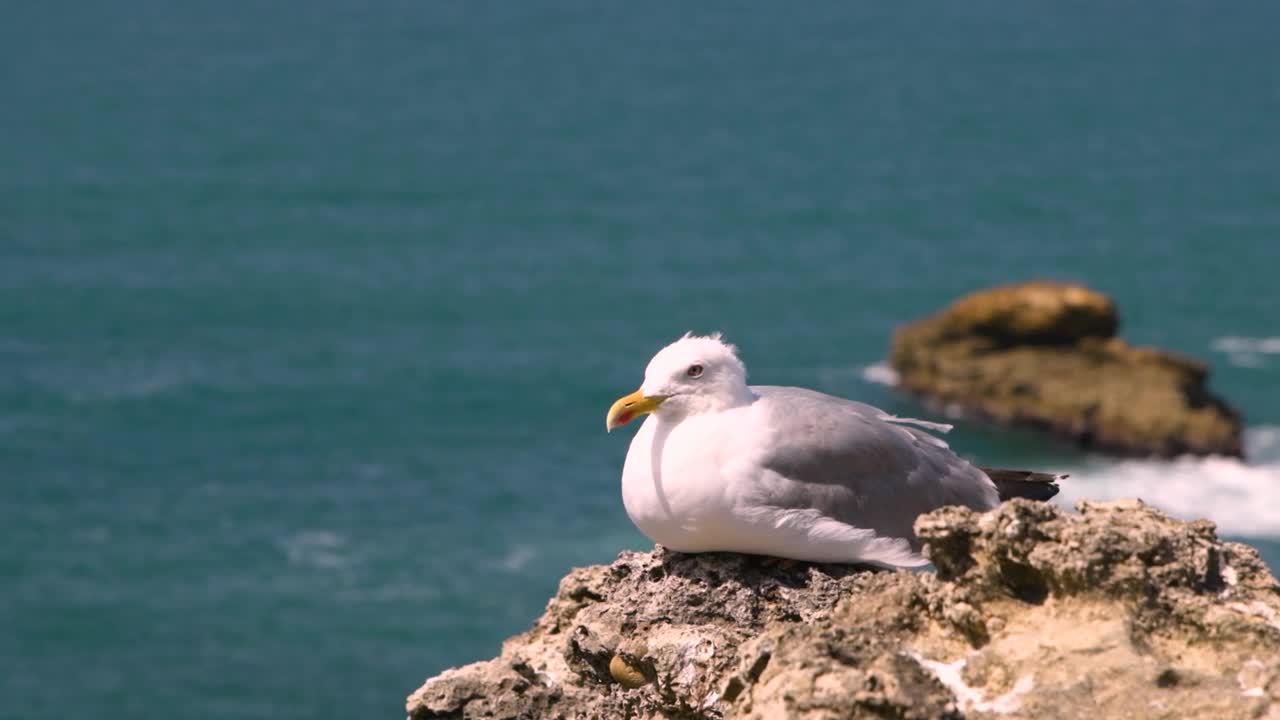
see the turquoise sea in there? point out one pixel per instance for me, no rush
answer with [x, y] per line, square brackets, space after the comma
[310, 313]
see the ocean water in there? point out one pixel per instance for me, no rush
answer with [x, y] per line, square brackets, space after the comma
[310, 313]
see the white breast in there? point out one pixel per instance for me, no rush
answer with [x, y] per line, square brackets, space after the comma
[673, 485]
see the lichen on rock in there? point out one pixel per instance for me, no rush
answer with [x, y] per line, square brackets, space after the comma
[1114, 611]
[1045, 355]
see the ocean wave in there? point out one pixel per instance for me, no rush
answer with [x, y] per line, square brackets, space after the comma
[1246, 352]
[880, 374]
[1242, 498]
[316, 548]
[517, 558]
[109, 383]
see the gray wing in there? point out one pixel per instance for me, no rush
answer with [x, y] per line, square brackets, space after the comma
[861, 466]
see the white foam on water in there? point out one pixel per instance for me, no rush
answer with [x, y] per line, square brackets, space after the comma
[316, 548]
[880, 374]
[1231, 343]
[517, 558]
[1242, 498]
[390, 591]
[1248, 352]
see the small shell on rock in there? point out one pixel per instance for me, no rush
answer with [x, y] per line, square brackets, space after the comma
[627, 675]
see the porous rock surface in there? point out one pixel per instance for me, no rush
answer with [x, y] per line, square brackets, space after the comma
[1114, 611]
[1045, 355]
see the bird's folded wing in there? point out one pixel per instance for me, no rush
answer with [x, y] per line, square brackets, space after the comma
[855, 464]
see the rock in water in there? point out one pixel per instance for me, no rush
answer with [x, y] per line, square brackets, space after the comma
[1118, 611]
[1045, 355]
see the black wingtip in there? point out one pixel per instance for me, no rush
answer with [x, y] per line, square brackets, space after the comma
[1024, 483]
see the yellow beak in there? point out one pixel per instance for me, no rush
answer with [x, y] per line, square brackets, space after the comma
[629, 407]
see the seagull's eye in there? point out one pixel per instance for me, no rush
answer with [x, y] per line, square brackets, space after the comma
[694, 371]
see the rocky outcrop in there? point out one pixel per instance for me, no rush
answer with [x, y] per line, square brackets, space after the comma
[1117, 611]
[1046, 355]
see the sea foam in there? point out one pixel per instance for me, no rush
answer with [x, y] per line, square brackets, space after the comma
[1246, 352]
[880, 374]
[1241, 497]
[316, 548]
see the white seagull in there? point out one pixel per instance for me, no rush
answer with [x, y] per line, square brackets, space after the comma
[720, 465]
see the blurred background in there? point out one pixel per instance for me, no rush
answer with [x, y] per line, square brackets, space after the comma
[310, 313]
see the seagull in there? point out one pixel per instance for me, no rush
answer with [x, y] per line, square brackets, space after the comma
[720, 465]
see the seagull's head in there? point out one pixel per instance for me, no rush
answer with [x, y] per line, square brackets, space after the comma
[691, 375]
